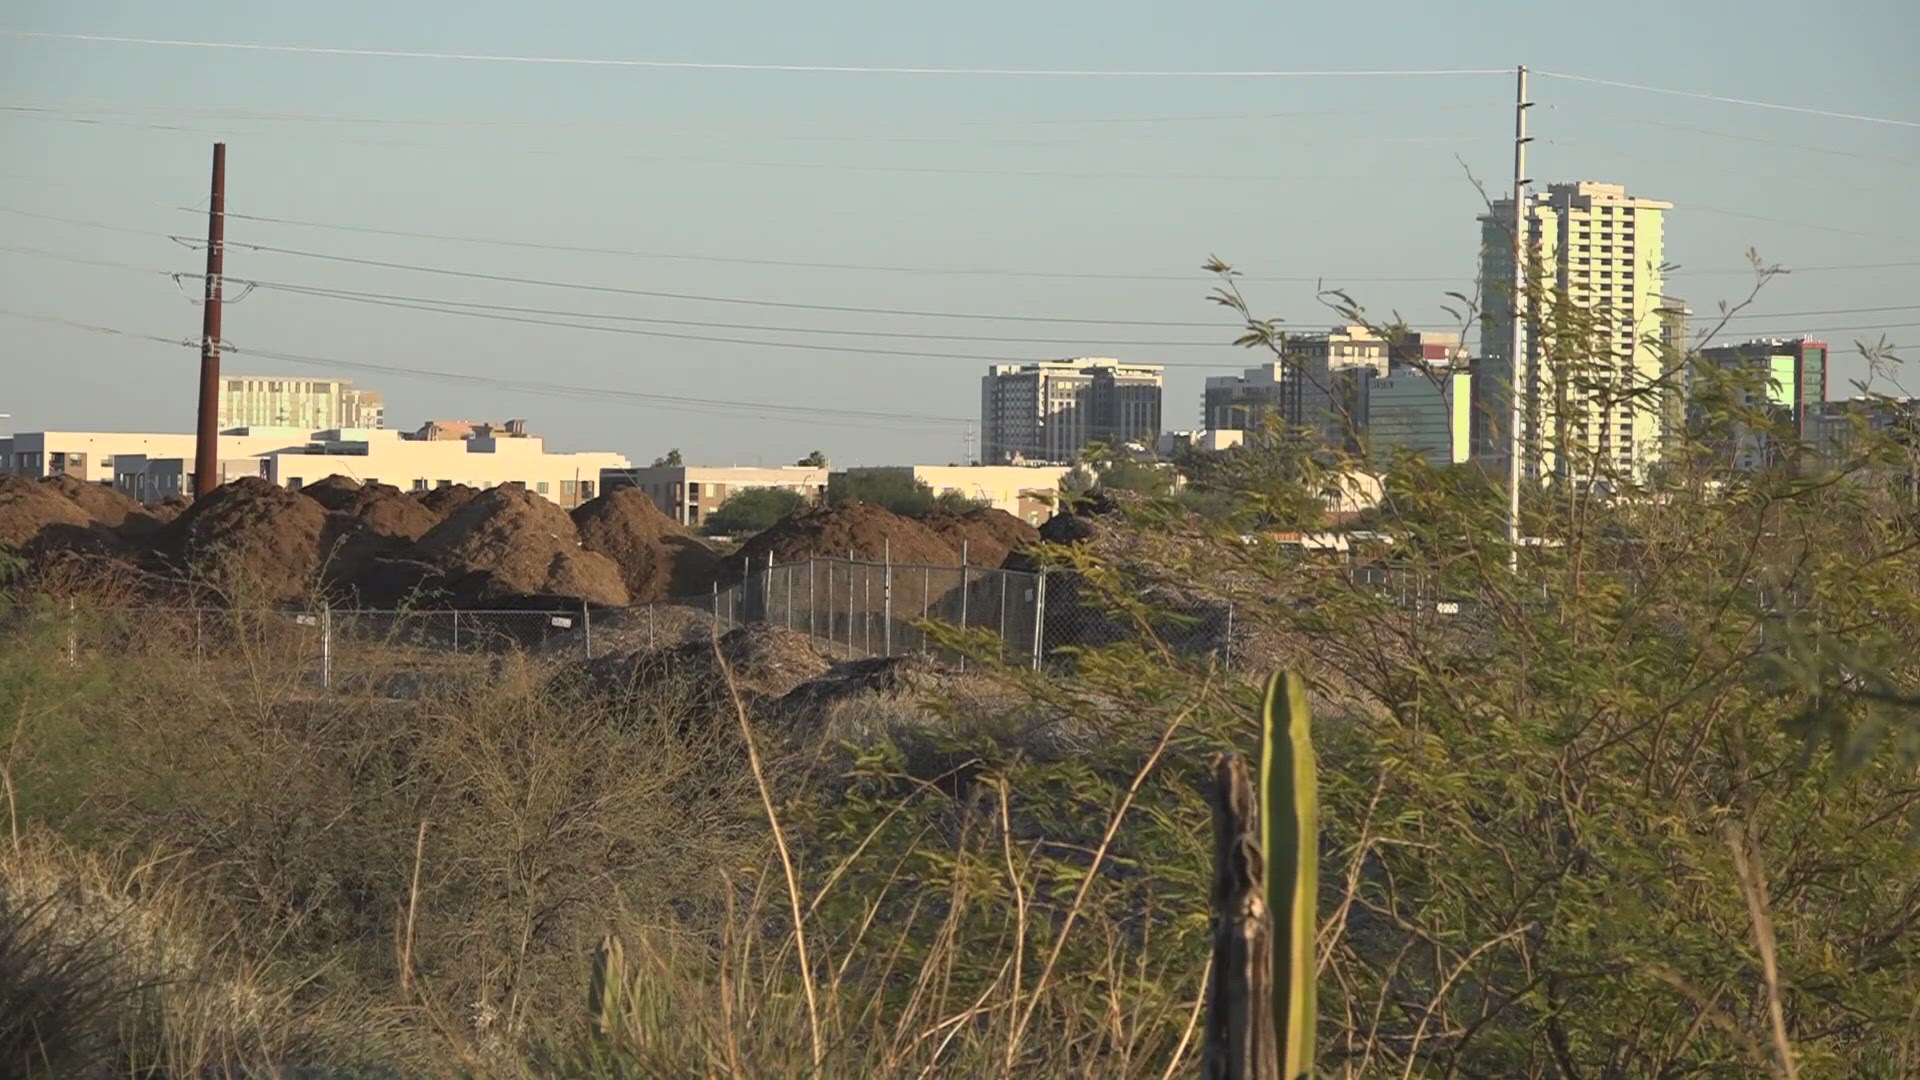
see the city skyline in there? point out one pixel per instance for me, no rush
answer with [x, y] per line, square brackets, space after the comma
[996, 206]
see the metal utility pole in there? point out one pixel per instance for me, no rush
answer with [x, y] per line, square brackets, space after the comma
[1517, 307]
[206, 449]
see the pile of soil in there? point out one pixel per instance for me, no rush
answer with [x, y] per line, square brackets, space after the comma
[445, 500]
[870, 533]
[334, 492]
[28, 509]
[382, 509]
[658, 558]
[989, 535]
[168, 508]
[512, 542]
[252, 539]
[103, 505]
[682, 686]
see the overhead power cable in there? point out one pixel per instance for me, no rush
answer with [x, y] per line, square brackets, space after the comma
[1196, 276]
[696, 297]
[707, 65]
[1726, 100]
[731, 408]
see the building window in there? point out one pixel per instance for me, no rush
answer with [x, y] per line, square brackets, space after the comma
[568, 488]
[540, 486]
[443, 483]
[586, 489]
[293, 483]
[419, 485]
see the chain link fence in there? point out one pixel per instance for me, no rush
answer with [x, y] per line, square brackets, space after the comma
[851, 608]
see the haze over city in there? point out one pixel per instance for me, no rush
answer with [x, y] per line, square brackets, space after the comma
[1065, 214]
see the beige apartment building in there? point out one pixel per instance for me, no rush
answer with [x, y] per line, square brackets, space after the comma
[290, 401]
[1604, 250]
[688, 493]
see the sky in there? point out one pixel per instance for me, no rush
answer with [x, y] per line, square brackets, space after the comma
[907, 228]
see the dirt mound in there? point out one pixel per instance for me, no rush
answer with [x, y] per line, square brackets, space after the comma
[768, 661]
[28, 509]
[250, 538]
[658, 557]
[522, 544]
[445, 500]
[103, 504]
[989, 534]
[869, 533]
[334, 492]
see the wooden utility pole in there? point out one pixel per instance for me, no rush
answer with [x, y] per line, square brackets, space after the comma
[206, 450]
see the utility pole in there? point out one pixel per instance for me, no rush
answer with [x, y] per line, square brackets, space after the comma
[1517, 307]
[206, 449]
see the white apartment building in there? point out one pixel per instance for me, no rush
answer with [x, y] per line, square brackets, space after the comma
[688, 493]
[1025, 491]
[1049, 411]
[290, 401]
[1603, 250]
[150, 466]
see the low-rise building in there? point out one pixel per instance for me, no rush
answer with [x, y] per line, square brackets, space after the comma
[688, 493]
[150, 466]
[1025, 491]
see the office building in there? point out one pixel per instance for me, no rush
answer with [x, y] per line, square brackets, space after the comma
[1051, 410]
[688, 493]
[286, 401]
[1602, 250]
[1424, 411]
[1784, 379]
[1324, 387]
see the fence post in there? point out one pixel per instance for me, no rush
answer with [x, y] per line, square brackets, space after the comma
[73, 634]
[1003, 615]
[456, 629]
[198, 654]
[811, 606]
[1226, 659]
[326, 648]
[963, 597]
[766, 592]
[926, 602]
[886, 597]
[716, 607]
[1039, 616]
[586, 626]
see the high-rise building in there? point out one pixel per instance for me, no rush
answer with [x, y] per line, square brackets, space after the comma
[1051, 410]
[1601, 251]
[284, 401]
[1785, 378]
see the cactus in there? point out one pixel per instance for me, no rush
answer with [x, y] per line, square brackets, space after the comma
[1289, 842]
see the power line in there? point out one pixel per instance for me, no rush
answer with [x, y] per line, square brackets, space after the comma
[524, 386]
[803, 264]
[781, 124]
[1725, 100]
[703, 65]
[698, 297]
[454, 307]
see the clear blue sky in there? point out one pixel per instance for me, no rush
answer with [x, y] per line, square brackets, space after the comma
[1358, 180]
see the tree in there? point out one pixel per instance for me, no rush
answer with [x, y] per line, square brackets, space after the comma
[889, 489]
[670, 461]
[751, 510]
[816, 460]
